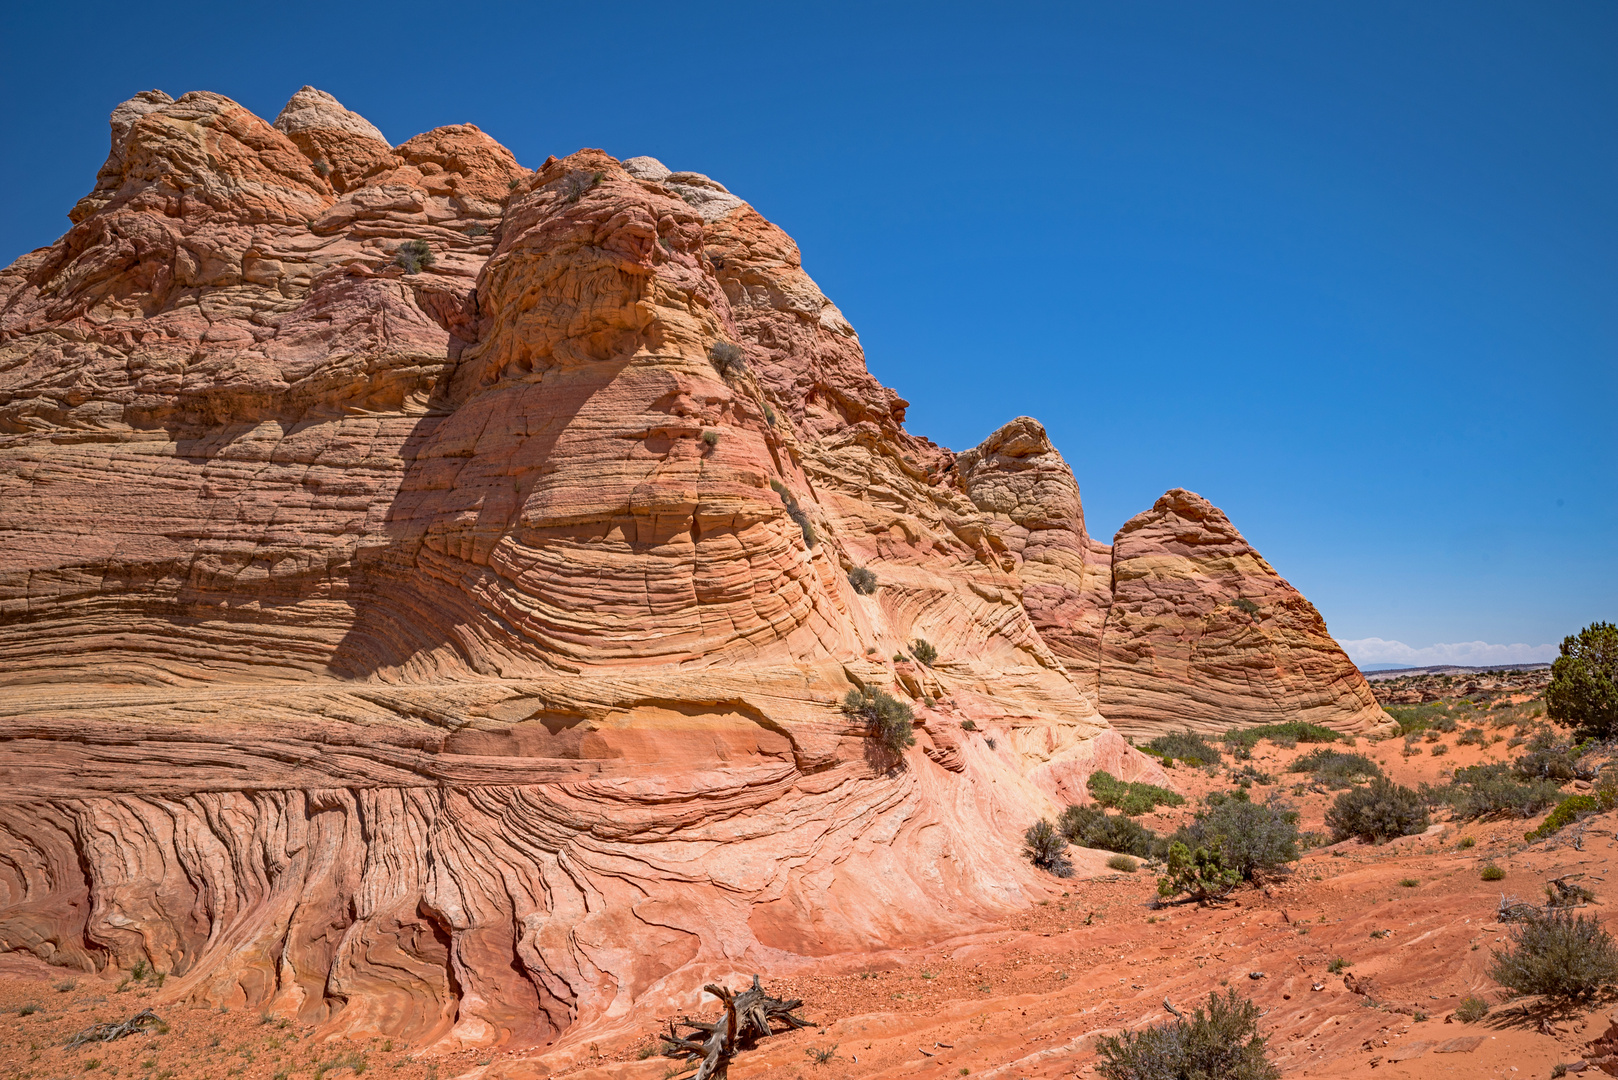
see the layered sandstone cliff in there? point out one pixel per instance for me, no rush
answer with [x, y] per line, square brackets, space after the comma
[425, 600]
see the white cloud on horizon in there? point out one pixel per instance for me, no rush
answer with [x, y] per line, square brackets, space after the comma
[1374, 650]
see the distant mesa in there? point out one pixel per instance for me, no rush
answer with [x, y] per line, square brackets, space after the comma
[429, 586]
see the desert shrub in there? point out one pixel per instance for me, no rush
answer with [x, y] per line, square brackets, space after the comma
[1566, 813]
[1288, 734]
[1473, 737]
[1583, 691]
[1413, 719]
[1471, 1009]
[922, 650]
[1559, 955]
[1221, 1043]
[1336, 769]
[769, 416]
[863, 580]
[796, 513]
[1092, 827]
[1247, 774]
[1199, 872]
[1466, 842]
[969, 725]
[1562, 893]
[1249, 837]
[1046, 846]
[415, 256]
[1133, 797]
[890, 720]
[710, 438]
[1244, 605]
[1548, 758]
[1124, 863]
[1440, 750]
[1186, 746]
[1338, 966]
[1481, 790]
[1491, 873]
[1380, 811]
[1409, 882]
[726, 358]
[575, 184]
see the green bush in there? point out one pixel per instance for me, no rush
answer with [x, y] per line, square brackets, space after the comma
[923, 651]
[1221, 1043]
[1471, 1009]
[1473, 737]
[863, 580]
[1249, 837]
[1092, 827]
[1491, 873]
[891, 721]
[1288, 734]
[1046, 846]
[1549, 758]
[1583, 691]
[1482, 790]
[1380, 811]
[1133, 797]
[1186, 746]
[1558, 955]
[1336, 769]
[415, 256]
[1566, 813]
[1199, 872]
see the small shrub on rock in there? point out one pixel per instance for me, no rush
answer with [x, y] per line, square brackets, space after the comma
[796, 513]
[726, 358]
[1559, 955]
[1222, 1042]
[891, 721]
[863, 580]
[576, 184]
[1046, 847]
[1471, 1009]
[414, 256]
[1185, 746]
[923, 651]
[1092, 827]
[1380, 811]
[1133, 797]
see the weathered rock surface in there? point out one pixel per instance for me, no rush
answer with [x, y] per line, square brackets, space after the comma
[456, 654]
[1202, 632]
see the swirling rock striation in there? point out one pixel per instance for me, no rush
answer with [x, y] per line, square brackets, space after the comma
[424, 594]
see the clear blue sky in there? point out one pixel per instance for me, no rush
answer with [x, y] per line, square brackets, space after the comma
[1350, 270]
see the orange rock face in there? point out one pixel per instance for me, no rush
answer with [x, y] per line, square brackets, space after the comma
[425, 594]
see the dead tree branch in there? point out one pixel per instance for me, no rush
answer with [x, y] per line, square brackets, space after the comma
[748, 1017]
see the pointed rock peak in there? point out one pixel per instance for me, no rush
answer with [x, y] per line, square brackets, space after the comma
[124, 116]
[707, 196]
[1021, 438]
[311, 109]
[647, 168]
[1188, 517]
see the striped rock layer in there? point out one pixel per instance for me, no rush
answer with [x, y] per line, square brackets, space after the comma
[425, 594]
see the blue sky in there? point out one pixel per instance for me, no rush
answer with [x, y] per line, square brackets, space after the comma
[1350, 270]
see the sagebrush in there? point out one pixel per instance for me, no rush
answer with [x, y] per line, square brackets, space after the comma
[1220, 1042]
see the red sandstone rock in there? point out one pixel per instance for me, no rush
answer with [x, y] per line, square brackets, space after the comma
[457, 654]
[1203, 632]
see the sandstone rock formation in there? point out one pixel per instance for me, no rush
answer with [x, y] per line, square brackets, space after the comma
[425, 607]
